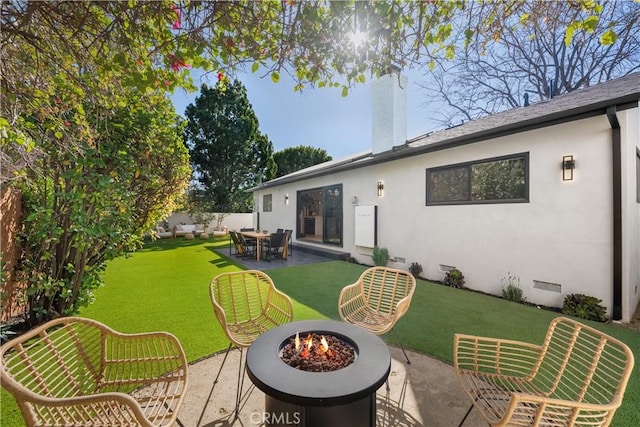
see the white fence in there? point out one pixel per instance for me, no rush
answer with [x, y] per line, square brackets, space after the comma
[233, 221]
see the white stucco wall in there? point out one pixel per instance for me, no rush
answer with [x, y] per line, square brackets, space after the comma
[630, 132]
[563, 236]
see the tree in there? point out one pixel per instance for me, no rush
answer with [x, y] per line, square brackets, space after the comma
[88, 207]
[533, 60]
[296, 158]
[229, 155]
[91, 139]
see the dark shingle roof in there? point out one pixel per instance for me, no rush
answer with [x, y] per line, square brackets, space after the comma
[588, 102]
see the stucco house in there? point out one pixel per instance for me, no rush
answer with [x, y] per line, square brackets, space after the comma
[549, 193]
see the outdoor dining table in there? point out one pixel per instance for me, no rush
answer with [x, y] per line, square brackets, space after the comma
[258, 236]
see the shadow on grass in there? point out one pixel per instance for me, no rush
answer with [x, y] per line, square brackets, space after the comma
[223, 260]
[179, 242]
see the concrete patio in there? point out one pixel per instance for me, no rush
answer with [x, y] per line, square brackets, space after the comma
[424, 393]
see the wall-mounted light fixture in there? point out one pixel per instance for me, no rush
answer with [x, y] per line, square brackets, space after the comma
[380, 188]
[568, 165]
[286, 199]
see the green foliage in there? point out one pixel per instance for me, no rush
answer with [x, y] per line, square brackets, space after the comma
[228, 153]
[380, 256]
[584, 306]
[93, 203]
[293, 159]
[415, 269]
[511, 289]
[454, 278]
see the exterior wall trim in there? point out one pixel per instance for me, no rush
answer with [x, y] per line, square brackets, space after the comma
[616, 168]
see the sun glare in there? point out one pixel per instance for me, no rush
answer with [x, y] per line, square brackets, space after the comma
[357, 38]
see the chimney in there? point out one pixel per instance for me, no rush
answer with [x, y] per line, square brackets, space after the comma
[389, 111]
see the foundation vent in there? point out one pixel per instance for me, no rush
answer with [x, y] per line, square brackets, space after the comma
[547, 286]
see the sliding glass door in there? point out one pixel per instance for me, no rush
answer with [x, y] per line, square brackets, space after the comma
[319, 214]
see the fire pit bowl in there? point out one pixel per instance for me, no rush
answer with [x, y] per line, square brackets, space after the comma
[345, 397]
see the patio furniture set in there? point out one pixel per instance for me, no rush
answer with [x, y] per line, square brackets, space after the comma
[75, 371]
[188, 231]
[262, 245]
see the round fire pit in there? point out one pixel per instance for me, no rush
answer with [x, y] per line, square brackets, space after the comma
[297, 397]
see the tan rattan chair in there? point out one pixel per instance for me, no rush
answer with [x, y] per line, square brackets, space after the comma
[75, 371]
[379, 298]
[576, 377]
[247, 304]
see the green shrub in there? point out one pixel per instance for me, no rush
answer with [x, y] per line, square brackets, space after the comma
[380, 256]
[415, 269]
[511, 289]
[454, 278]
[584, 307]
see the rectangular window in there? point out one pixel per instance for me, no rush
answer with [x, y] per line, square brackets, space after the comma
[266, 203]
[496, 180]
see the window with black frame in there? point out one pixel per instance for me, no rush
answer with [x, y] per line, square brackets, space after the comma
[496, 180]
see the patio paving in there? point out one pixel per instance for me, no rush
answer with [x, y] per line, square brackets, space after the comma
[424, 393]
[298, 257]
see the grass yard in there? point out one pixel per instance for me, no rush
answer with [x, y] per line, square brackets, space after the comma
[165, 287]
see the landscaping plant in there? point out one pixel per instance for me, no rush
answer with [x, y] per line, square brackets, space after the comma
[454, 278]
[511, 289]
[380, 256]
[415, 269]
[584, 306]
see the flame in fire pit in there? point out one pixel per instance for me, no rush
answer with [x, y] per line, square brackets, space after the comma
[325, 345]
[318, 353]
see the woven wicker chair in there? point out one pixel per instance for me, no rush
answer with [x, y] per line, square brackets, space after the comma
[75, 371]
[379, 298]
[247, 304]
[576, 377]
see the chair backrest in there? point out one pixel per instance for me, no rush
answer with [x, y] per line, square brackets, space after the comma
[383, 287]
[248, 304]
[581, 364]
[64, 360]
[247, 229]
[237, 241]
[276, 240]
[241, 295]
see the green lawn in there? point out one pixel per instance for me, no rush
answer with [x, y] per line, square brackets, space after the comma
[165, 287]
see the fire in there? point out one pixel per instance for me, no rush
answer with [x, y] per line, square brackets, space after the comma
[325, 344]
[304, 347]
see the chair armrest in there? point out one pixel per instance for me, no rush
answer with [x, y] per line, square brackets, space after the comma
[282, 305]
[401, 307]
[495, 356]
[349, 294]
[350, 300]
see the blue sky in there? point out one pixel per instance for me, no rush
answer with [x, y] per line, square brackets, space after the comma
[320, 118]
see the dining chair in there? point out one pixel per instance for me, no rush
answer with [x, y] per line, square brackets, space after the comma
[274, 246]
[290, 242]
[377, 300]
[246, 304]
